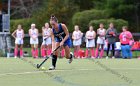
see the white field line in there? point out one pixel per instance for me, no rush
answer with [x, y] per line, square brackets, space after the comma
[36, 72]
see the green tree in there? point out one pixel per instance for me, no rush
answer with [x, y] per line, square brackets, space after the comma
[83, 18]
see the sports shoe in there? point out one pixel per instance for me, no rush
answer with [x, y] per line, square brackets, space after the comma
[52, 68]
[106, 57]
[113, 57]
[15, 57]
[71, 58]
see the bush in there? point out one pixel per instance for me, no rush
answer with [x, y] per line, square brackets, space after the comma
[24, 22]
[83, 18]
[117, 22]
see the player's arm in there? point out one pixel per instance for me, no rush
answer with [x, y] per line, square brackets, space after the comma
[29, 32]
[23, 34]
[73, 36]
[129, 36]
[81, 34]
[37, 33]
[98, 32]
[86, 35]
[42, 32]
[94, 36]
[120, 36]
[64, 27]
[115, 33]
[107, 34]
[13, 34]
[104, 32]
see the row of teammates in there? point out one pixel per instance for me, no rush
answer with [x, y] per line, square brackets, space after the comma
[102, 34]
[105, 38]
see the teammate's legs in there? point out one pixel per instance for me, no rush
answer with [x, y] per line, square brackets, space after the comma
[102, 50]
[78, 49]
[21, 50]
[36, 50]
[129, 52]
[16, 50]
[49, 49]
[113, 50]
[87, 49]
[92, 53]
[75, 51]
[97, 50]
[32, 50]
[123, 49]
[108, 49]
[43, 54]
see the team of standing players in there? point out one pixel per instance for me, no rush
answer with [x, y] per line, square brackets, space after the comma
[60, 34]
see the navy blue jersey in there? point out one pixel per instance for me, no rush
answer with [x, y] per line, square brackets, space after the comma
[60, 35]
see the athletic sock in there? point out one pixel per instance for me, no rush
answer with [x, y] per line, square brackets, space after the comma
[86, 53]
[21, 52]
[102, 53]
[43, 52]
[96, 53]
[33, 52]
[75, 54]
[92, 53]
[36, 53]
[54, 59]
[49, 52]
[70, 58]
[15, 51]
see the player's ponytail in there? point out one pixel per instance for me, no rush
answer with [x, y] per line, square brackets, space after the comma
[53, 18]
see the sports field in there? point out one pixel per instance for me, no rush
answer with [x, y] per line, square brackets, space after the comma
[82, 72]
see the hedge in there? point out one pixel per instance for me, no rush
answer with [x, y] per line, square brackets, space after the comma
[117, 22]
[83, 18]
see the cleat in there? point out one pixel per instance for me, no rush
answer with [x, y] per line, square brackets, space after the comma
[71, 58]
[106, 57]
[113, 57]
[52, 68]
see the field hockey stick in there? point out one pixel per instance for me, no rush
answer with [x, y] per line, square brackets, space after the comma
[39, 65]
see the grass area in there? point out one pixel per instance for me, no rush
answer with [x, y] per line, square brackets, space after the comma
[82, 72]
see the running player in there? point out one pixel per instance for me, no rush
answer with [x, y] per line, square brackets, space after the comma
[33, 33]
[125, 39]
[77, 40]
[90, 42]
[46, 45]
[60, 37]
[100, 41]
[18, 34]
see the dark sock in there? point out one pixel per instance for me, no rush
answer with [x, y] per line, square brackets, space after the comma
[54, 59]
[70, 56]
